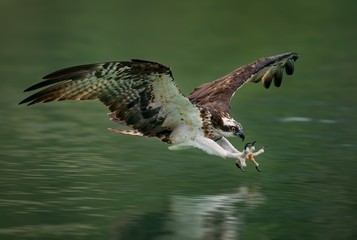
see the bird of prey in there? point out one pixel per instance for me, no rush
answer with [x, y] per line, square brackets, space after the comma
[143, 95]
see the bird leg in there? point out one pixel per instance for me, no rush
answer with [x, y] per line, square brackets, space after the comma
[240, 162]
[250, 156]
[249, 153]
[225, 149]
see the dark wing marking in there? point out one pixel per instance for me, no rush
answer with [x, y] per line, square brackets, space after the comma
[138, 93]
[266, 70]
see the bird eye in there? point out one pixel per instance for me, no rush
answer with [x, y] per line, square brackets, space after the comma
[233, 129]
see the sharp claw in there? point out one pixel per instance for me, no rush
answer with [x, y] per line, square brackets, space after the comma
[246, 145]
[256, 167]
[253, 143]
[265, 147]
[241, 168]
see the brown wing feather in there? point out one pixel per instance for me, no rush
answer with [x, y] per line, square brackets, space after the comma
[125, 87]
[265, 70]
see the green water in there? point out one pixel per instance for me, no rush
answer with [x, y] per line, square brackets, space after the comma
[64, 176]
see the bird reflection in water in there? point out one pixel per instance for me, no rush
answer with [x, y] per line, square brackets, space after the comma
[212, 216]
[208, 217]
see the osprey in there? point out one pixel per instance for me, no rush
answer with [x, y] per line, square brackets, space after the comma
[143, 95]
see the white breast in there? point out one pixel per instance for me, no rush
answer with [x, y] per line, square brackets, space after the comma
[181, 116]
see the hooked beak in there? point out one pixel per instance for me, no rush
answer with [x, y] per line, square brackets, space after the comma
[240, 134]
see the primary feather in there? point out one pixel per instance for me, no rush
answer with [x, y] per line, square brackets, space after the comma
[143, 95]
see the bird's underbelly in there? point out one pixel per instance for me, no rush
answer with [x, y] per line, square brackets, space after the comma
[185, 134]
[182, 118]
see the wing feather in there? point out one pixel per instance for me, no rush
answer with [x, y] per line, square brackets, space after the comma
[266, 70]
[139, 93]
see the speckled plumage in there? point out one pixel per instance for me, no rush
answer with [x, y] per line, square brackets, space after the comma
[143, 95]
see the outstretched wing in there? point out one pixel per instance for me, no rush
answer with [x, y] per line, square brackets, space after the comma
[140, 94]
[266, 70]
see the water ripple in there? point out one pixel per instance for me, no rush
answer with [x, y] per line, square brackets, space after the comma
[307, 119]
[46, 229]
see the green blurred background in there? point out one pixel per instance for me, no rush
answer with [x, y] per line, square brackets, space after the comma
[62, 175]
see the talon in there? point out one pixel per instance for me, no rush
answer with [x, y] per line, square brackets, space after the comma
[265, 147]
[241, 168]
[246, 145]
[256, 167]
[253, 143]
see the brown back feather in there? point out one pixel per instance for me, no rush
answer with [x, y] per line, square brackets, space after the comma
[125, 87]
[221, 90]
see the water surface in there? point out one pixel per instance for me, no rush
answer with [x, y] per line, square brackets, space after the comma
[63, 175]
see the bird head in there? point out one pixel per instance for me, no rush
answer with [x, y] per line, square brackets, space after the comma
[230, 128]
